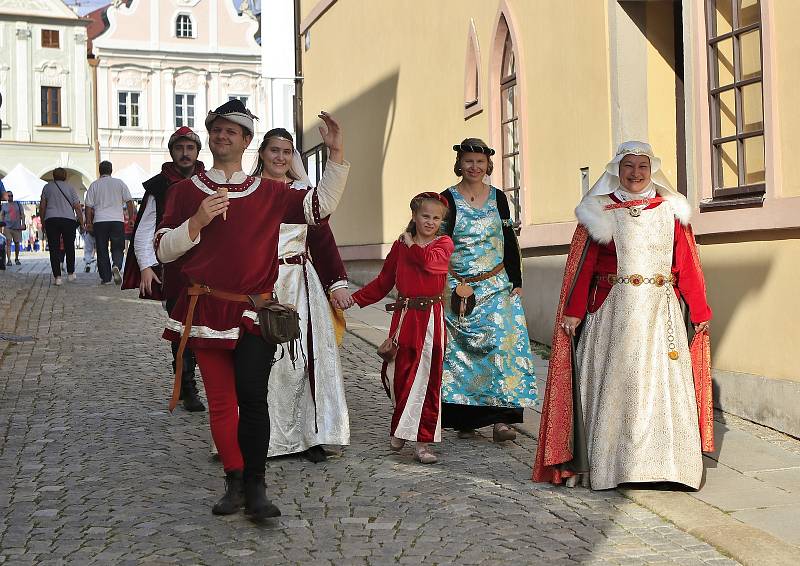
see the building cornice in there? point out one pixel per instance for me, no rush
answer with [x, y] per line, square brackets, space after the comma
[56, 20]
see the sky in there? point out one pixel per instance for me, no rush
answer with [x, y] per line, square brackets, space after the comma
[86, 6]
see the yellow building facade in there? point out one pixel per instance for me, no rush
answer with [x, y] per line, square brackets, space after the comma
[555, 86]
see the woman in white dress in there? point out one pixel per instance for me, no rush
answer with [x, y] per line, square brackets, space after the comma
[307, 406]
[633, 404]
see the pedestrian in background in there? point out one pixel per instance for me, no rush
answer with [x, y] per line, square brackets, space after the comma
[2, 246]
[60, 207]
[13, 215]
[104, 201]
[417, 264]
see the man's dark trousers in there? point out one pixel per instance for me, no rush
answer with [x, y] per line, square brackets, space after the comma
[103, 233]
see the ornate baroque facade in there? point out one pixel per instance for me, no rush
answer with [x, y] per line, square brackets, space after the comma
[165, 63]
[46, 88]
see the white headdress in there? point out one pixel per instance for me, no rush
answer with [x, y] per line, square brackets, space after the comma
[298, 170]
[609, 180]
[591, 210]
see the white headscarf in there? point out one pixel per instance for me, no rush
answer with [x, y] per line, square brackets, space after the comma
[298, 170]
[609, 181]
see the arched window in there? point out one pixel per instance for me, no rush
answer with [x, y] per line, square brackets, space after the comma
[183, 26]
[472, 69]
[509, 125]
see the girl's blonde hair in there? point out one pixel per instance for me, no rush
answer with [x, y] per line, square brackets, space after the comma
[416, 204]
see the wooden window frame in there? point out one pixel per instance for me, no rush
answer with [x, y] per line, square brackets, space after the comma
[47, 39]
[742, 193]
[51, 109]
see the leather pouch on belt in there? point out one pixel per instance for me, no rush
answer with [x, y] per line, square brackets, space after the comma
[279, 323]
[462, 300]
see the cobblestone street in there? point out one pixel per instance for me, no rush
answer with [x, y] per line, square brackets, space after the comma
[93, 469]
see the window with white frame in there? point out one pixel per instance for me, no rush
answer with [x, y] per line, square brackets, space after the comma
[128, 109]
[184, 26]
[184, 110]
[242, 98]
[735, 89]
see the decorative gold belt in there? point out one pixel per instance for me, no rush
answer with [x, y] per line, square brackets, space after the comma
[636, 280]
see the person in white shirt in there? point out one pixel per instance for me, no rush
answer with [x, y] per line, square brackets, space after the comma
[104, 201]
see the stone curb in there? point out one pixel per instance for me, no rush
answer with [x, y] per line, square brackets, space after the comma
[743, 543]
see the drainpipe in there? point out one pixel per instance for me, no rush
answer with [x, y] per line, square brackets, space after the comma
[93, 64]
[298, 80]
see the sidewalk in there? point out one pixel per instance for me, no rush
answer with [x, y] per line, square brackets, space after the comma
[749, 504]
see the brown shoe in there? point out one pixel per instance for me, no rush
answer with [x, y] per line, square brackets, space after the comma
[502, 432]
[423, 455]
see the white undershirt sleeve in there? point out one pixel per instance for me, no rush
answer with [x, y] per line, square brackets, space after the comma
[173, 243]
[145, 232]
[329, 191]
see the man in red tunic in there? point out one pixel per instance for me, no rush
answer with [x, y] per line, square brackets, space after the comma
[224, 226]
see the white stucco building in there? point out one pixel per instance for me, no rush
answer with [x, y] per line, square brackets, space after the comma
[166, 63]
[45, 84]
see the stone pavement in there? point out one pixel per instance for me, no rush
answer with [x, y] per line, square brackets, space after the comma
[749, 503]
[93, 469]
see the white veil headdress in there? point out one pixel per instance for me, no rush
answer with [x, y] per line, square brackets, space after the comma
[609, 180]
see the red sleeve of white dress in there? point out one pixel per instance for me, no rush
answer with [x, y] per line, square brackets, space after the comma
[435, 257]
[579, 298]
[690, 277]
[325, 255]
[379, 287]
[294, 210]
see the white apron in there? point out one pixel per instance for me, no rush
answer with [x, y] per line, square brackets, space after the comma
[291, 406]
[639, 405]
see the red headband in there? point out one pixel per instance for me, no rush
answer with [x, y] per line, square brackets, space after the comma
[432, 196]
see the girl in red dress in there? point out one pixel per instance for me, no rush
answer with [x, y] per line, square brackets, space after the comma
[417, 265]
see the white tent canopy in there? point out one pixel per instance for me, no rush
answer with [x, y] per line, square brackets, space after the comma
[133, 176]
[26, 186]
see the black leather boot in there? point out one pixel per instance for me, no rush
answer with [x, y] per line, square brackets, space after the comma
[191, 400]
[257, 507]
[233, 499]
[315, 454]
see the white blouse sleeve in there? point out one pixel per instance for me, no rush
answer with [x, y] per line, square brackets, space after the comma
[145, 233]
[323, 200]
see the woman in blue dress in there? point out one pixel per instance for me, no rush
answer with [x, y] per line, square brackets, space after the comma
[488, 373]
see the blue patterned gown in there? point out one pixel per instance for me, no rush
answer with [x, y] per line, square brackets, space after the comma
[488, 358]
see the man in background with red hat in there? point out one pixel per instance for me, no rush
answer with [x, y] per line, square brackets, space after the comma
[142, 269]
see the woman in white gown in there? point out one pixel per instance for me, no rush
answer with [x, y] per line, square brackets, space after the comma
[634, 403]
[307, 406]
